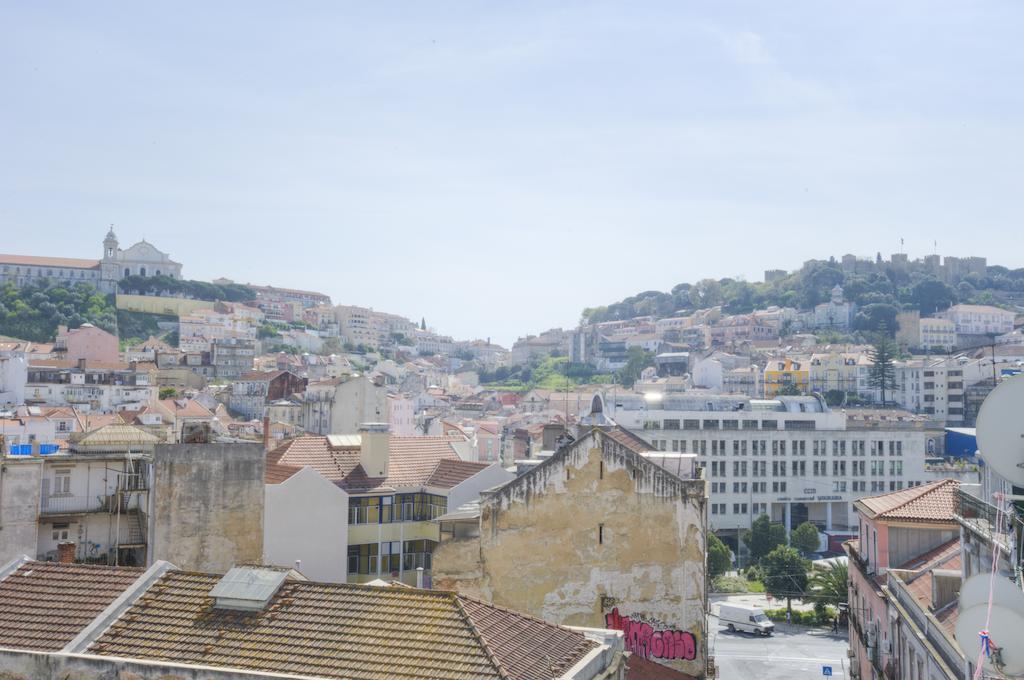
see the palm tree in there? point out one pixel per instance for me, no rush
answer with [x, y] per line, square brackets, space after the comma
[829, 585]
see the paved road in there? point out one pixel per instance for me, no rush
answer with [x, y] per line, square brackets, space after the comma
[792, 652]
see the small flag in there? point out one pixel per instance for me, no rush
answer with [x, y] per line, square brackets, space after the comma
[986, 642]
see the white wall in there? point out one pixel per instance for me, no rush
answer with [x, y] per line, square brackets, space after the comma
[469, 490]
[306, 518]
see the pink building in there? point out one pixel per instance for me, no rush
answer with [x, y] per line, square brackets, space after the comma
[894, 531]
[86, 342]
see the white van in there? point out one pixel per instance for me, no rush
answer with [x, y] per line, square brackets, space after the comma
[746, 618]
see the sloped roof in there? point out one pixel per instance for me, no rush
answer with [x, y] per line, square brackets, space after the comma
[946, 556]
[525, 647]
[931, 502]
[340, 631]
[34, 261]
[44, 605]
[116, 435]
[413, 462]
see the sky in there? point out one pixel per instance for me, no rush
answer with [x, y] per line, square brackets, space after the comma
[497, 167]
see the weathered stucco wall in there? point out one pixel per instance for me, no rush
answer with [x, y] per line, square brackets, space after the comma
[207, 505]
[20, 484]
[460, 562]
[596, 537]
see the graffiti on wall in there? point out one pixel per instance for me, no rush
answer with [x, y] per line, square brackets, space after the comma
[652, 639]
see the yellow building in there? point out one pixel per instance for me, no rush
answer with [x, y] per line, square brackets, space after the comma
[786, 375]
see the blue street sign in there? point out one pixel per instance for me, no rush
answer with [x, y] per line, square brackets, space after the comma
[826, 671]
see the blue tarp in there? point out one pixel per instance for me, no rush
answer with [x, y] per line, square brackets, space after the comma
[26, 449]
[961, 442]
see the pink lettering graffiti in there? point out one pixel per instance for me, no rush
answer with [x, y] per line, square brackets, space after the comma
[641, 638]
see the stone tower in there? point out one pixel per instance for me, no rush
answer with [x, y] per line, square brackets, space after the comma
[109, 273]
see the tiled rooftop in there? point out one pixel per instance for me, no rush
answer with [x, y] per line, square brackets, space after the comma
[931, 502]
[526, 648]
[340, 631]
[44, 605]
[413, 462]
[947, 557]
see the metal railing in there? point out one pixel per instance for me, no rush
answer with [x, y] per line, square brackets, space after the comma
[981, 517]
[63, 504]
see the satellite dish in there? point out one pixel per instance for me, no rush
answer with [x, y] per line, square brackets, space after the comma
[1004, 628]
[1001, 430]
[974, 593]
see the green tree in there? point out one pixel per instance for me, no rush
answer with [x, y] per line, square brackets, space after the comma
[829, 586]
[719, 559]
[882, 372]
[763, 537]
[805, 538]
[785, 575]
[931, 295]
[639, 359]
[789, 390]
[876, 317]
[168, 393]
[835, 397]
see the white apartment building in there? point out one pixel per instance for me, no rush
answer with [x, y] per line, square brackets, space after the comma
[13, 373]
[935, 387]
[790, 458]
[937, 333]
[95, 495]
[979, 319]
[89, 386]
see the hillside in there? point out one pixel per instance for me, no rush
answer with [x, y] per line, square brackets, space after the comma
[34, 312]
[879, 294]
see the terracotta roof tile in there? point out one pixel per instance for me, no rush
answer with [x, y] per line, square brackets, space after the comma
[931, 502]
[946, 556]
[413, 462]
[46, 604]
[526, 648]
[340, 631]
[34, 261]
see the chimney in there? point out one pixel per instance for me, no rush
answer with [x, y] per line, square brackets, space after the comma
[266, 433]
[419, 577]
[374, 448]
[66, 552]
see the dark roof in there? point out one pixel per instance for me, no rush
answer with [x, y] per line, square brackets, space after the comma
[341, 631]
[44, 605]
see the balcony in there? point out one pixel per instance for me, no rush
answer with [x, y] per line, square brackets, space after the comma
[66, 504]
[980, 518]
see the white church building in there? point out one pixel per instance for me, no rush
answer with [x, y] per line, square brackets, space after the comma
[141, 259]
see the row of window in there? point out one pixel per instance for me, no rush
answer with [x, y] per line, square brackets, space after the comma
[408, 507]
[389, 556]
[728, 424]
[780, 447]
[798, 468]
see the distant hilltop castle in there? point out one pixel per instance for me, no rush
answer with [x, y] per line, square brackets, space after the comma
[141, 259]
[949, 269]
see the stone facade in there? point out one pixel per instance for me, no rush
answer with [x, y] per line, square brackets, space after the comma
[609, 539]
